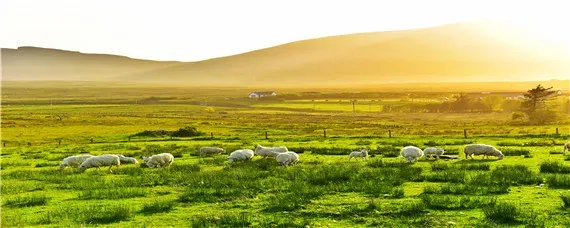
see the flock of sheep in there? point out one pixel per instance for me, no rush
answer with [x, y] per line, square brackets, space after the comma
[281, 154]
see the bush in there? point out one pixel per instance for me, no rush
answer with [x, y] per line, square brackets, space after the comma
[502, 212]
[187, 132]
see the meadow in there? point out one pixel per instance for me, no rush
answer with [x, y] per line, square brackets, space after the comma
[529, 187]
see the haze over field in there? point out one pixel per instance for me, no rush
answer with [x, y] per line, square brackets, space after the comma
[460, 52]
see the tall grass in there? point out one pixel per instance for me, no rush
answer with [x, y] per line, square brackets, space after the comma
[504, 212]
[157, 206]
[456, 202]
[89, 214]
[112, 193]
[26, 201]
[558, 181]
[554, 167]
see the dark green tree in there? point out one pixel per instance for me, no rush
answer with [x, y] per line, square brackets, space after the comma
[535, 99]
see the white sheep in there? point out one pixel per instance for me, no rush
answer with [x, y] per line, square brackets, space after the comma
[240, 155]
[207, 151]
[269, 151]
[566, 147]
[433, 151]
[127, 160]
[73, 161]
[411, 153]
[159, 160]
[287, 158]
[101, 160]
[482, 149]
[358, 154]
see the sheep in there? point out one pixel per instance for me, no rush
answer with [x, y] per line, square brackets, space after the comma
[287, 158]
[101, 160]
[269, 151]
[206, 151]
[411, 153]
[159, 160]
[358, 154]
[127, 160]
[433, 151]
[566, 147]
[73, 161]
[482, 149]
[240, 155]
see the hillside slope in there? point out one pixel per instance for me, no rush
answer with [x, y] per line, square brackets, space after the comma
[32, 63]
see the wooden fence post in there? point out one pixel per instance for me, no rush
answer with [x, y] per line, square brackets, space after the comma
[389, 133]
[129, 138]
[465, 133]
[212, 135]
[91, 140]
[325, 132]
[29, 143]
[59, 142]
[4, 144]
[557, 132]
[266, 135]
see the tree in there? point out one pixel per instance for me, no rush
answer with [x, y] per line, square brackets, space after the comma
[535, 99]
[493, 102]
[461, 103]
[534, 105]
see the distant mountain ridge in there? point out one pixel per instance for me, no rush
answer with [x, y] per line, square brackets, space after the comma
[471, 51]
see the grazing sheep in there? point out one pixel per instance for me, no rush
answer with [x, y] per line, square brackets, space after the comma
[358, 154]
[482, 149]
[207, 151]
[566, 147]
[240, 155]
[127, 160]
[159, 160]
[73, 161]
[287, 158]
[433, 151]
[269, 151]
[101, 160]
[411, 153]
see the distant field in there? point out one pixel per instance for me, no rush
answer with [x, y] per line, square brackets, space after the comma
[323, 190]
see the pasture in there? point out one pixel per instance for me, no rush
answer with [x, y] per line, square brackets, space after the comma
[529, 187]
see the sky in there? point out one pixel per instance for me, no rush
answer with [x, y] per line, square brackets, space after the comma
[197, 30]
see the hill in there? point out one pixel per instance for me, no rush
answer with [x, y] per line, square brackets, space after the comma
[32, 63]
[461, 52]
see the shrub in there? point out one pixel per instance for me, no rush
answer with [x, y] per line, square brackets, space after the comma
[152, 133]
[502, 212]
[187, 132]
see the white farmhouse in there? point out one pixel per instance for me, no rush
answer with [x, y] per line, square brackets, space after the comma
[262, 94]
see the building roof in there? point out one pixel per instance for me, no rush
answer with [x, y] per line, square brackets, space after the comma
[261, 93]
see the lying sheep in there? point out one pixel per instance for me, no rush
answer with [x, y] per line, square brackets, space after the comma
[358, 154]
[101, 160]
[433, 151]
[73, 161]
[240, 155]
[269, 151]
[566, 147]
[482, 149]
[411, 153]
[208, 151]
[158, 160]
[287, 158]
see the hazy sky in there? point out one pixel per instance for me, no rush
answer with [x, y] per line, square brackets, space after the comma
[196, 29]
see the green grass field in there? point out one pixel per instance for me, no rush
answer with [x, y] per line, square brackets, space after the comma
[529, 187]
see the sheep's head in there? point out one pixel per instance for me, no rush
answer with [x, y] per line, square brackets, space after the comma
[62, 167]
[82, 168]
[365, 152]
[145, 159]
[501, 155]
[230, 160]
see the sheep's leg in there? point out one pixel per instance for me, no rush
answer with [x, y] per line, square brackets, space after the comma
[111, 171]
[437, 156]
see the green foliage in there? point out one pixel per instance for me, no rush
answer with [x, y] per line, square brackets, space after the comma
[515, 152]
[187, 132]
[456, 202]
[112, 193]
